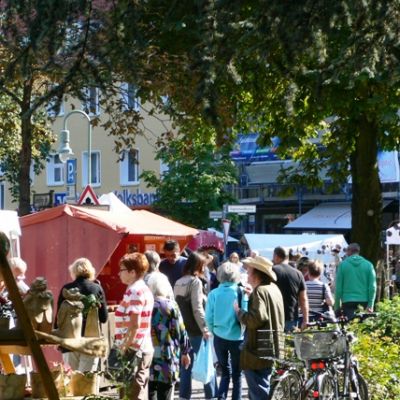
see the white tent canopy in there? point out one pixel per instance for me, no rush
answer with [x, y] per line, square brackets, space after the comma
[115, 204]
[324, 216]
[313, 246]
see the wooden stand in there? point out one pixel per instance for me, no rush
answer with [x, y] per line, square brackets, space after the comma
[22, 341]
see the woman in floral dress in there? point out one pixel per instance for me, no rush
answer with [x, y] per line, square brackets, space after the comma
[170, 341]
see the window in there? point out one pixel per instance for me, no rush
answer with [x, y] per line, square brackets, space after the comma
[95, 168]
[129, 97]
[55, 171]
[91, 103]
[163, 167]
[129, 167]
[52, 109]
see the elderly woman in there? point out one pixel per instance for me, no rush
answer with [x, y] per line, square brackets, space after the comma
[153, 272]
[265, 311]
[83, 275]
[170, 340]
[190, 295]
[223, 323]
[133, 323]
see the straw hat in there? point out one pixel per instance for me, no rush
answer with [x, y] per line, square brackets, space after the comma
[262, 264]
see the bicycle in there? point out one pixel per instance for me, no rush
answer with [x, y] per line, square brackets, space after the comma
[332, 368]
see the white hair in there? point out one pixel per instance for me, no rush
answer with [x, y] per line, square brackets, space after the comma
[159, 284]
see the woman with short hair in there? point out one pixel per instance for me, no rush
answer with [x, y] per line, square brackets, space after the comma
[224, 324]
[133, 323]
[83, 274]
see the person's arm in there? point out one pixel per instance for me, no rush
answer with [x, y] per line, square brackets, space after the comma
[103, 312]
[256, 314]
[303, 303]
[338, 287]
[210, 312]
[328, 295]
[130, 335]
[371, 289]
[196, 298]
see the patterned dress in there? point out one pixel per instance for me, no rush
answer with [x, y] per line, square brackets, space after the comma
[170, 341]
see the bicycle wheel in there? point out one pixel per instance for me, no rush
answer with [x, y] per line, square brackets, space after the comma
[327, 387]
[287, 387]
[359, 387]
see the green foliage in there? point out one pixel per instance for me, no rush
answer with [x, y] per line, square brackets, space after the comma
[197, 174]
[378, 348]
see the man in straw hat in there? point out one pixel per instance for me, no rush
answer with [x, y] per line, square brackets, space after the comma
[265, 312]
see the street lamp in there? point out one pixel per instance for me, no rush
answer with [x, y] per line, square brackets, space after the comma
[65, 151]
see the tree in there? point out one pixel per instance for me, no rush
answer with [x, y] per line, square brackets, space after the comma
[307, 69]
[49, 49]
[197, 175]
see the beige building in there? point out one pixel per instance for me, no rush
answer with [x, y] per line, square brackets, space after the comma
[69, 179]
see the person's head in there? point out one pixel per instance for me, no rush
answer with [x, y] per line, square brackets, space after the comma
[132, 267]
[302, 264]
[159, 285]
[259, 270]
[279, 255]
[254, 253]
[18, 267]
[171, 251]
[4, 243]
[228, 272]
[234, 257]
[82, 268]
[154, 260]
[194, 264]
[315, 268]
[353, 248]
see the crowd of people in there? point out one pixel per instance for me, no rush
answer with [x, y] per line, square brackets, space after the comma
[172, 305]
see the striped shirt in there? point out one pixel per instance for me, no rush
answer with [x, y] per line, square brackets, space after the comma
[137, 299]
[315, 294]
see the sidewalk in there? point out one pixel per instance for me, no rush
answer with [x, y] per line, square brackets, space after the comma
[198, 392]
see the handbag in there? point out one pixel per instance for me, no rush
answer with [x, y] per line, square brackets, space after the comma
[121, 367]
[203, 365]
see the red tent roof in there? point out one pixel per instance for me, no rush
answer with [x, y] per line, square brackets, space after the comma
[206, 240]
[137, 222]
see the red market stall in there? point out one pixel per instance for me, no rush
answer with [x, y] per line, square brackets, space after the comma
[206, 240]
[52, 239]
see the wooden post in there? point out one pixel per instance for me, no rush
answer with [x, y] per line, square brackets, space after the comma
[30, 339]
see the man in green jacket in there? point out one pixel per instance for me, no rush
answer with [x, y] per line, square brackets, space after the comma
[355, 283]
[265, 312]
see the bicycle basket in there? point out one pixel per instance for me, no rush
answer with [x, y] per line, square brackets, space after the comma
[270, 344]
[319, 344]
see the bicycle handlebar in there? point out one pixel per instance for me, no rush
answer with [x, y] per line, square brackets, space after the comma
[325, 319]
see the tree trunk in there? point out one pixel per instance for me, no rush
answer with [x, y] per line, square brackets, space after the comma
[366, 209]
[24, 181]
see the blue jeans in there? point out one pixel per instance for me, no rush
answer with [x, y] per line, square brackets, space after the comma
[228, 354]
[185, 385]
[258, 381]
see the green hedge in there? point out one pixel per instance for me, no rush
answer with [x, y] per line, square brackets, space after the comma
[378, 350]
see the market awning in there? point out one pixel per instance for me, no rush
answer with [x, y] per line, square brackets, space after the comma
[326, 216]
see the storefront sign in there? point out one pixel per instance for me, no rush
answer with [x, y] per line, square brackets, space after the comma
[135, 199]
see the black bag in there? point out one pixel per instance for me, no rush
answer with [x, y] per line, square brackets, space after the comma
[121, 367]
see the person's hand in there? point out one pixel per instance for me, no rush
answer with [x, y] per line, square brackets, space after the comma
[369, 310]
[206, 335]
[303, 325]
[185, 360]
[248, 289]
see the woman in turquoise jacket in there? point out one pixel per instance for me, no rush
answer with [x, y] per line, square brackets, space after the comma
[223, 322]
